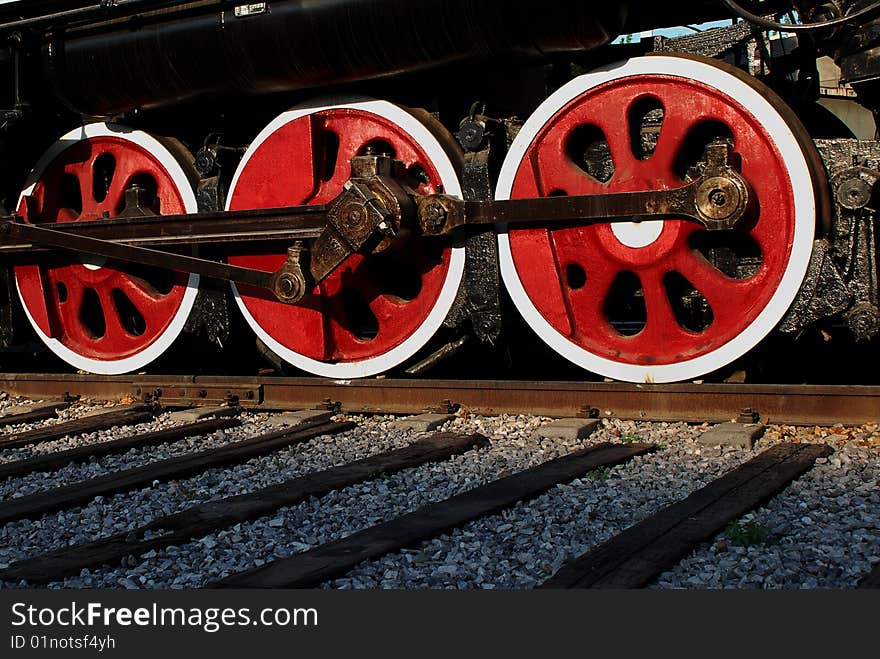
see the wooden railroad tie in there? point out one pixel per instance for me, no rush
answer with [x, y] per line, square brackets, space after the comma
[128, 416]
[635, 557]
[57, 460]
[35, 412]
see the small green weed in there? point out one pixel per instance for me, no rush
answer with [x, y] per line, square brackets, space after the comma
[747, 534]
[630, 437]
[601, 474]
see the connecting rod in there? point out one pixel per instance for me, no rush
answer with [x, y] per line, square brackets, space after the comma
[373, 210]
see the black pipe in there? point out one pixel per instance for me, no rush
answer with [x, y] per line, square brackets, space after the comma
[52, 14]
[23, 9]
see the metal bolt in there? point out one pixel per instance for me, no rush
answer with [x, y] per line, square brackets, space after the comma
[718, 198]
[206, 159]
[286, 284]
[854, 194]
[863, 321]
[471, 134]
[289, 287]
[434, 215]
[721, 199]
[386, 228]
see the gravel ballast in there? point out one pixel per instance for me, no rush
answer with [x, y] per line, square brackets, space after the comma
[823, 531]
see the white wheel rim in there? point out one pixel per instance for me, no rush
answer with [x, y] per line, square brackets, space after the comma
[414, 342]
[175, 171]
[804, 206]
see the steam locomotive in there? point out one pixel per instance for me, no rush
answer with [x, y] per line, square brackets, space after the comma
[370, 184]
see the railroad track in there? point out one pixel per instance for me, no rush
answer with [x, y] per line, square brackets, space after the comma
[794, 404]
[309, 500]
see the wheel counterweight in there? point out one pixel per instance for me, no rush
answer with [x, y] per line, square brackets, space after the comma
[373, 312]
[658, 301]
[97, 316]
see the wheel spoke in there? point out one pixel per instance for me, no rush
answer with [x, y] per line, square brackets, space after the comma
[69, 312]
[616, 131]
[587, 304]
[556, 172]
[727, 296]
[122, 176]
[678, 120]
[84, 174]
[73, 287]
[662, 324]
[144, 300]
[116, 332]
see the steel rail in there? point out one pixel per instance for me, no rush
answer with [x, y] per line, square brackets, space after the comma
[790, 404]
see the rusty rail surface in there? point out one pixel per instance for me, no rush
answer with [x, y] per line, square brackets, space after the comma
[792, 404]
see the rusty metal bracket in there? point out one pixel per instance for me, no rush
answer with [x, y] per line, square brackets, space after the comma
[842, 278]
[484, 142]
[365, 218]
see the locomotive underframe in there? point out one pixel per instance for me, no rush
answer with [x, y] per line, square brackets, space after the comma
[841, 281]
[841, 286]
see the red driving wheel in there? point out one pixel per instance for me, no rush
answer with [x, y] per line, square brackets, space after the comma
[100, 317]
[372, 312]
[658, 300]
